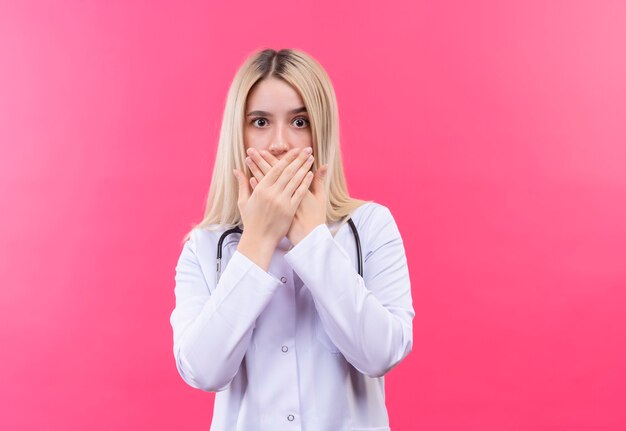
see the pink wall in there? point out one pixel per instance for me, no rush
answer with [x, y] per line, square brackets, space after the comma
[494, 131]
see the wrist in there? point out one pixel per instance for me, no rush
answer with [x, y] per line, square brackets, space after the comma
[257, 249]
[305, 233]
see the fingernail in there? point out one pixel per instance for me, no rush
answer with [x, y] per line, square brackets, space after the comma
[308, 150]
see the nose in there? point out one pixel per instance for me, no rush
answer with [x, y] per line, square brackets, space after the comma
[278, 145]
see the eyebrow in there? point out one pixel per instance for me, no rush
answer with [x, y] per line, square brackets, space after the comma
[267, 114]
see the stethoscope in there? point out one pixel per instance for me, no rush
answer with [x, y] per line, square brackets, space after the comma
[237, 229]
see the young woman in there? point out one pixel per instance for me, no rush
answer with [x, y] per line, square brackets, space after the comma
[294, 321]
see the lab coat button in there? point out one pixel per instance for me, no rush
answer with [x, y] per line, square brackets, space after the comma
[290, 417]
[284, 348]
[283, 279]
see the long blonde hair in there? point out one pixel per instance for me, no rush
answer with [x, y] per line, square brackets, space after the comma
[310, 79]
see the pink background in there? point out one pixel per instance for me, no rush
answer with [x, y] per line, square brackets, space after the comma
[494, 131]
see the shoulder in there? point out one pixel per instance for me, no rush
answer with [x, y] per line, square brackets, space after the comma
[372, 215]
[204, 239]
[203, 243]
[376, 225]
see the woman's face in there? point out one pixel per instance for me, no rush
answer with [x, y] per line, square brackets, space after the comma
[276, 119]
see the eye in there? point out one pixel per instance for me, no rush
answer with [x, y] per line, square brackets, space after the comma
[302, 120]
[254, 121]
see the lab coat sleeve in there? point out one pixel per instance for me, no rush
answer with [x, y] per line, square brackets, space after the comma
[212, 325]
[369, 319]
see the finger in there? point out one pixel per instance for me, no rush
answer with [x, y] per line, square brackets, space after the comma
[295, 181]
[244, 191]
[301, 191]
[274, 174]
[256, 172]
[294, 166]
[269, 157]
[263, 165]
[253, 182]
[317, 184]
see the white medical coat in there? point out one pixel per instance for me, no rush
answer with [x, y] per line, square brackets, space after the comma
[305, 345]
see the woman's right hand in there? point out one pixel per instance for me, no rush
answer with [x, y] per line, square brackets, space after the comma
[267, 212]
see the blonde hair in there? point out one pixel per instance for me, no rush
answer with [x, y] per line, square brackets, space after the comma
[310, 79]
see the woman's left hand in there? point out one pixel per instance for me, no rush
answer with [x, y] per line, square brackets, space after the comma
[312, 210]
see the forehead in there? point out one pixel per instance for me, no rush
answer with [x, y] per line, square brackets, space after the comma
[273, 94]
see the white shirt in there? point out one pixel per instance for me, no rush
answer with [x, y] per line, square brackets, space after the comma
[305, 345]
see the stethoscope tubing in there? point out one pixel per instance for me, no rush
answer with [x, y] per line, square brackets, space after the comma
[237, 229]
